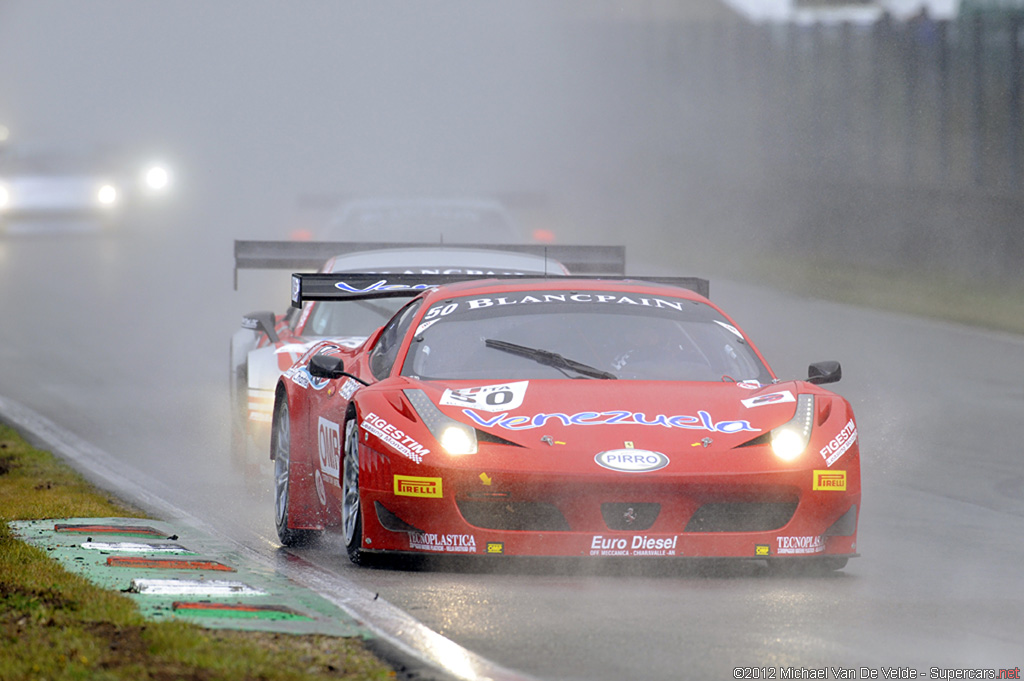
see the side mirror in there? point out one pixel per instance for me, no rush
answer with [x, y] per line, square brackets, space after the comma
[263, 322]
[824, 372]
[326, 366]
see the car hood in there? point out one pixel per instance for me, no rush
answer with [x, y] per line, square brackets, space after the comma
[606, 414]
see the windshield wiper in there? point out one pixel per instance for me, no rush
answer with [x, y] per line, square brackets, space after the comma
[548, 358]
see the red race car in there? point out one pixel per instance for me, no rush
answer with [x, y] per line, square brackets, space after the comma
[560, 417]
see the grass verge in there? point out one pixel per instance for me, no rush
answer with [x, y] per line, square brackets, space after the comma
[56, 625]
[982, 301]
[988, 303]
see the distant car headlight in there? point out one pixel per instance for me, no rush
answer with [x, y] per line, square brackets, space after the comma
[107, 195]
[157, 177]
[455, 438]
[5, 197]
[790, 439]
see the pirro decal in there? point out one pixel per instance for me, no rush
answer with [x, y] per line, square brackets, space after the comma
[703, 421]
[631, 460]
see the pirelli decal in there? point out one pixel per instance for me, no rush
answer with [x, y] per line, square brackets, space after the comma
[412, 486]
[831, 481]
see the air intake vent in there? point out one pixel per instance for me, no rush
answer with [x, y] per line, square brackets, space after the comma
[741, 517]
[622, 516]
[513, 515]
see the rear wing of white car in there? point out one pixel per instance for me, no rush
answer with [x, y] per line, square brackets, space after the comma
[363, 285]
[298, 255]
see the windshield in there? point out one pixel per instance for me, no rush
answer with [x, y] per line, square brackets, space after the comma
[596, 335]
[349, 317]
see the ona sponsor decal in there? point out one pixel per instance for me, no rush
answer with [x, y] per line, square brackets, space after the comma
[749, 385]
[495, 547]
[762, 550]
[412, 486]
[631, 460]
[329, 441]
[832, 481]
[492, 398]
[600, 298]
[796, 545]
[637, 545]
[444, 543]
[394, 437]
[838, 445]
[703, 421]
[770, 398]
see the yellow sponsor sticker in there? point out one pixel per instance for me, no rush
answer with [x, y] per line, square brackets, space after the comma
[831, 481]
[412, 486]
[495, 547]
[762, 550]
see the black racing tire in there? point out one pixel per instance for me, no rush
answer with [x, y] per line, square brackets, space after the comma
[280, 447]
[351, 499]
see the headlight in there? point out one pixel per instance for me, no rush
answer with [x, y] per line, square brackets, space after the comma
[157, 177]
[107, 195]
[456, 438]
[5, 197]
[790, 440]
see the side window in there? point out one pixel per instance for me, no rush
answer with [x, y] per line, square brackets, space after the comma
[385, 352]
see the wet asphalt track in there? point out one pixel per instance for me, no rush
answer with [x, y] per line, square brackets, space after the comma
[123, 342]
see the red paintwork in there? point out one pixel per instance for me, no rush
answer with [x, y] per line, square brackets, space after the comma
[565, 473]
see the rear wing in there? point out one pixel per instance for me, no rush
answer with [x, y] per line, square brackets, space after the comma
[363, 285]
[298, 255]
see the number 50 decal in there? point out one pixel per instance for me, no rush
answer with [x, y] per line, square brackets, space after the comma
[500, 397]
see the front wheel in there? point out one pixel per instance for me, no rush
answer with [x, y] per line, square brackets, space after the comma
[351, 506]
[280, 447]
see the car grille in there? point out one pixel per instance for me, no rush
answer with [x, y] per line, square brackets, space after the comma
[741, 517]
[503, 514]
[622, 516]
